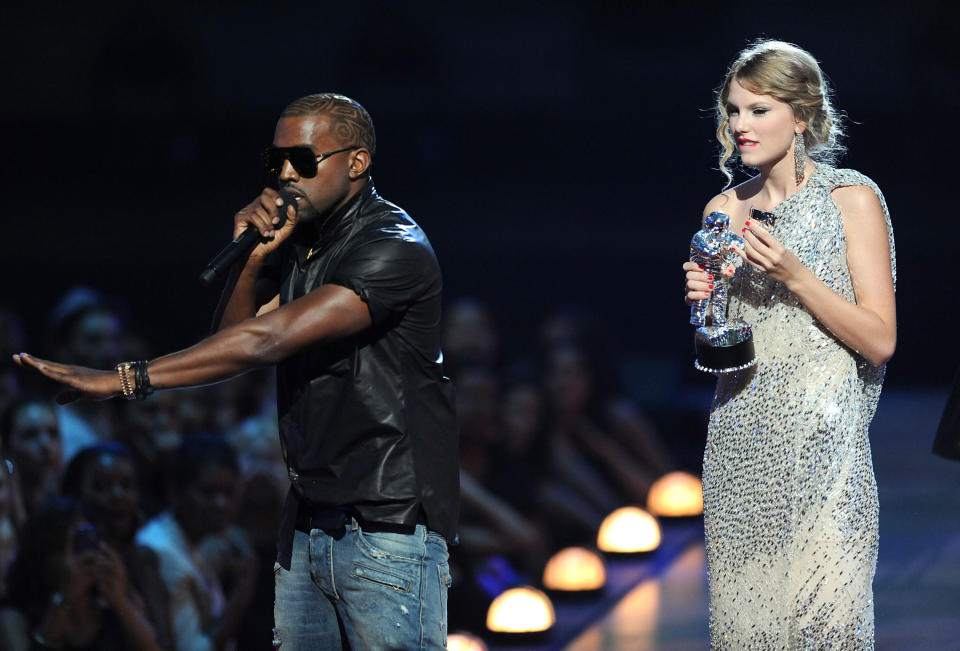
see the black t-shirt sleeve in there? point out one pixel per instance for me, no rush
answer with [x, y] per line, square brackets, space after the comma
[390, 275]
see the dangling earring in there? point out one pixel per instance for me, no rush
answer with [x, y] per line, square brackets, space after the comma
[799, 156]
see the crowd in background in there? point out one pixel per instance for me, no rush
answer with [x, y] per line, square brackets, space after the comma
[151, 524]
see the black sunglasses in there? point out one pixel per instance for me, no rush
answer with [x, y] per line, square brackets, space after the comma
[302, 158]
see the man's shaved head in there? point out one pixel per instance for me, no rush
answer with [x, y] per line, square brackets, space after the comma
[351, 124]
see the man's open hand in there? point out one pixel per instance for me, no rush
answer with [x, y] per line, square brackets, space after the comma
[83, 383]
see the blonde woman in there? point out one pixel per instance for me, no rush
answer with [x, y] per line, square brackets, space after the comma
[790, 500]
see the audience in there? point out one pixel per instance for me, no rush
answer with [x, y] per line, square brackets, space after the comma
[85, 330]
[160, 532]
[207, 567]
[30, 440]
[104, 478]
[68, 589]
[578, 432]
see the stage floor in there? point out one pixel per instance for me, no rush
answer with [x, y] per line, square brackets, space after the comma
[917, 586]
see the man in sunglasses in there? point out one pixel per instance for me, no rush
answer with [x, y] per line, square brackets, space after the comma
[342, 294]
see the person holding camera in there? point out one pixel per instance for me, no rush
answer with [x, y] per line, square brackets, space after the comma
[69, 590]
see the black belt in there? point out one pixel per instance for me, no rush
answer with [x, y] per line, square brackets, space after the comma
[333, 520]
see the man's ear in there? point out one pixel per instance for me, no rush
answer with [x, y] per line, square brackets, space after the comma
[359, 163]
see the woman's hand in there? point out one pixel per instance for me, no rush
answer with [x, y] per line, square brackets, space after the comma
[111, 577]
[82, 382]
[79, 576]
[699, 283]
[766, 254]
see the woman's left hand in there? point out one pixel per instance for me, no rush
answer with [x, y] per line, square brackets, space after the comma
[765, 253]
[111, 576]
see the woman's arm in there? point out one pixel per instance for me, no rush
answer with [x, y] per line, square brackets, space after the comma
[504, 530]
[868, 326]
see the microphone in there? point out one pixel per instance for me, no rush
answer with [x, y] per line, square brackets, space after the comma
[242, 244]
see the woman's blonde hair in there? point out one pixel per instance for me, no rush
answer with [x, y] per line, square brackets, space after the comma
[790, 74]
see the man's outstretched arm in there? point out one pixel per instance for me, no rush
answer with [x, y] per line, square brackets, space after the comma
[329, 313]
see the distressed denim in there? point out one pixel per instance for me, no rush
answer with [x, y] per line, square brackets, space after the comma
[368, 590]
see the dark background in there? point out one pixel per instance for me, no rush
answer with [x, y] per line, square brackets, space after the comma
[555, 152]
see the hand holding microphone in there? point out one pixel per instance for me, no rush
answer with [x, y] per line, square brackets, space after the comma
[266, 221]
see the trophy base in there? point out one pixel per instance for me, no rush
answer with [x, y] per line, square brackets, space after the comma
[724, 349]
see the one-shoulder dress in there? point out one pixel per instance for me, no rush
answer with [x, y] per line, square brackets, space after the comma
[790, 499]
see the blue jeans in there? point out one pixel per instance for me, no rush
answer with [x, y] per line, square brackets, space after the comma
[369, 590]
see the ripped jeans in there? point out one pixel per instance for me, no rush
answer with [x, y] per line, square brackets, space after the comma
[364, 590]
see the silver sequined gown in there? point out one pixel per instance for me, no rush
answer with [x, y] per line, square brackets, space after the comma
[790, 500]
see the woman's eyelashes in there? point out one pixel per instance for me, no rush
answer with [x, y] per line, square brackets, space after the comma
[732, 110]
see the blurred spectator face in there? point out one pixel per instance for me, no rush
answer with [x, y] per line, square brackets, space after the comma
[149, 428]
[109, 488]
[186, 412]
[96, 340]
[34, 442]
[558, 329]
[469, 335]
[205, 506]
[521, 416]
[567, 380]
[477, 408]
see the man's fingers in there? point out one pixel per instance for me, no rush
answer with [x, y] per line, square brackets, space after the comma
[54, 371]
[25, 359]
[262, 220]
[51, 369]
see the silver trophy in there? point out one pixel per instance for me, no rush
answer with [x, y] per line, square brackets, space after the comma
[724, 345]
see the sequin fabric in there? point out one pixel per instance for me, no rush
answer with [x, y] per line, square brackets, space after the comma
[790, 500]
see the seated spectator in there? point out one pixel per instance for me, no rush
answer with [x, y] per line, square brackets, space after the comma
[607, 406]
[545, 477]
[207, 567]
[496, 542]
[248, 415]
[469, 336]
[30, 439]
[85, 330]
[569, 390]
[104, 478]
[488, 524]
[69, 590]
[478, 417]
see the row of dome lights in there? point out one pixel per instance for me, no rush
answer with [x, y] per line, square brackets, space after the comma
[628, 530]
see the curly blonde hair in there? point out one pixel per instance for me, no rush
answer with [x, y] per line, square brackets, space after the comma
[789, 74]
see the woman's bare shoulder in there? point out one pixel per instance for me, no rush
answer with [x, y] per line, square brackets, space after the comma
[733, 199]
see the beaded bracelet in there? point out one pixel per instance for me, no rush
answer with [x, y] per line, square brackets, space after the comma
[125, 385]
[143, 388]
